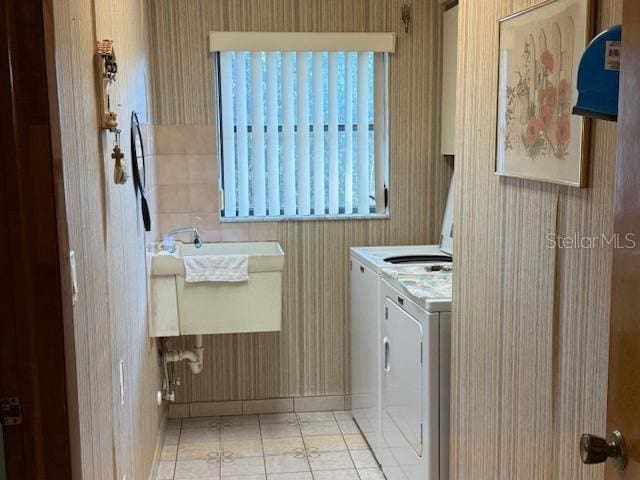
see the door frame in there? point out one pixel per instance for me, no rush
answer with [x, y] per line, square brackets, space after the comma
[3, 472]
[36, 348]
[624, 356]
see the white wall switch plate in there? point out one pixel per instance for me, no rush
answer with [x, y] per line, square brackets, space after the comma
[121, 376]
[74, 277]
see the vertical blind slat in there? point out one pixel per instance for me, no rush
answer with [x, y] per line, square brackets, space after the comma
[318, 136]
[302, 136]
[229, 160]
[273, 170]
[288, 149]
[379, 152]
[363, 132]
[242, 137]
[334, 191]
[258, 173]
[348, 134]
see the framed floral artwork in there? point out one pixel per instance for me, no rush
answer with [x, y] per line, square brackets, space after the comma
[538, 137]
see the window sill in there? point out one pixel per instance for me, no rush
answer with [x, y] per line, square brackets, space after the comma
[304, 218]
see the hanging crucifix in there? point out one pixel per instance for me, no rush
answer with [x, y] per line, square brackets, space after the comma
[120, 169]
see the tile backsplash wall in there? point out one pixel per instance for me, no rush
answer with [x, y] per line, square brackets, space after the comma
[187, 187]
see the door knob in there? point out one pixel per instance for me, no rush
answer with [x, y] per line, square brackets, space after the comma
[594, 449]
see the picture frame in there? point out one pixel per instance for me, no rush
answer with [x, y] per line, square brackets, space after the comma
[538, 138]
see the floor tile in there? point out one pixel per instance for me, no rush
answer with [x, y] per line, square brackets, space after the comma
[365, 426]
[239, 420]
[325, 443]
[331, 461]
[172, 437]
[243, 466]
[286, 464]
[251, 447]
[363, 459]
[196, 469]
[320, 428]
[198, 451]
[212, 423]
[267, 447]
[165, 470]
[279, 418]
[348, 427]
[316, 417]
[290, 476]
[174, 423]
[282, 446]
[371, 474]
[348, 474]
[245, 477]
[241, 432]
[355, 441]
[343, 415]
[199, 435]
[280, 430]
[169, 452]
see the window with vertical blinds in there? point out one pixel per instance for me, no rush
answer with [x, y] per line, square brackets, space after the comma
[303, 122]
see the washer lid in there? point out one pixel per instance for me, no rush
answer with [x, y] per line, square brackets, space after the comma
[374, 257]
[378, 258]
[446, 235]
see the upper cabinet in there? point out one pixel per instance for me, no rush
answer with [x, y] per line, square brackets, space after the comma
[449, 66]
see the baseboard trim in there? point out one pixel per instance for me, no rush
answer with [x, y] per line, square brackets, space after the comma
[260, 406]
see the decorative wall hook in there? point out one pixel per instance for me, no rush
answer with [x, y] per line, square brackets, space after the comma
[406, 17]
[107, 68]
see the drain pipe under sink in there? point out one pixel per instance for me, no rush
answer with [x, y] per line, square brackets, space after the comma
[193, 357]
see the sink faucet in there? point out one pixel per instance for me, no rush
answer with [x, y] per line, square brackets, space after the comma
[169, 242]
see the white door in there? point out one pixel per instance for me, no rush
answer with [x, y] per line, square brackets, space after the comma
[410, 390]
[402, 395]
[403, 378]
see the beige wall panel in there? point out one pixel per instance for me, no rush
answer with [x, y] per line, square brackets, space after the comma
[530, 323]
[85, 214]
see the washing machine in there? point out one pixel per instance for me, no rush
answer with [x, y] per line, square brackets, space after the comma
[366, 266]
[415, 384]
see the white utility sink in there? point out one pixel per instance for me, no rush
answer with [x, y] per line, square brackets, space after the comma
[181, 308]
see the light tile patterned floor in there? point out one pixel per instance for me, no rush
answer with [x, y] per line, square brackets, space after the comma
[303, 446]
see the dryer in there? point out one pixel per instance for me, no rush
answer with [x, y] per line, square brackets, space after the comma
[366, 266]
[415, 384]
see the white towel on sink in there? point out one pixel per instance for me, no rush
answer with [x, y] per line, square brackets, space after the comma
[216, 268]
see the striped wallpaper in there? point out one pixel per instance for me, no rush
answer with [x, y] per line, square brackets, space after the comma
[530, 323]
[310, 355]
